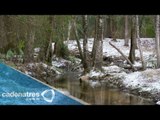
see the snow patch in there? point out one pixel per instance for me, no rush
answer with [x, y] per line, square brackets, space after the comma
[93, 73]
[36, 50]
[147, 80]
[132, 79]
[137, 64]
[112, 69]
[31, 65]
[94, 84]
[158, 103]
[148, 45]
[59, 62]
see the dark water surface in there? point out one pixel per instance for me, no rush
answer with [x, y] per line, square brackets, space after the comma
[102, 95]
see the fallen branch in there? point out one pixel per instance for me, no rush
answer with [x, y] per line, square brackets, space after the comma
[123, 56]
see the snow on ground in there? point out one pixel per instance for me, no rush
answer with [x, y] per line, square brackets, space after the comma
[112, 69]
[137, 64]
[144, 81]
[158, 103]
[148, 45]
[93, 73]
[148, 80]
[60, 62]
[94, 84]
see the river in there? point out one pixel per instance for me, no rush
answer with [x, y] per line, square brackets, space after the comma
[101, 95]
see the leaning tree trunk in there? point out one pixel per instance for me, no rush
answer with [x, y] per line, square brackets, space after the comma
[77, 38]
[99, 44]
[133, 41]
[157, 41]
[139, 43]
[123, 56]
[126, 31]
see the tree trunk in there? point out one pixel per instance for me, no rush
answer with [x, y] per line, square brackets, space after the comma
[114, 28]
[85, 47]
[105, 27]
[29, 41]
[126, 31]
[110, 26]
[133, 41]
[77, 39]
[99, 44]
[69, 31]
[49, 48]
[139, 43]
[157, 41]
[29, 47]
[94, 43]
[3, 38]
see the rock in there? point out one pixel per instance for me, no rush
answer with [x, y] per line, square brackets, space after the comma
[84, 78]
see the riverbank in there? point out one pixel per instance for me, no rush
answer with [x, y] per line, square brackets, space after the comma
[141, 83]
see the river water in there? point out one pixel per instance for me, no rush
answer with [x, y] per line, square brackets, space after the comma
[102, 95]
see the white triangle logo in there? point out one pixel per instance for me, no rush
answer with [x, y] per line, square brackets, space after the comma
[51, 94]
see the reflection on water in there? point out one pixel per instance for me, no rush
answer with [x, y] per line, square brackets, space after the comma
[69, 84]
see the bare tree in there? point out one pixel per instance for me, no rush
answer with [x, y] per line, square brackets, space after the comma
[110, 26]
[139, 43]
[85, 47]
[30, 36]
[94, 43]
[49, 48]
[3, 38]
[69, 30]
[126, 31]
[98, 60]
[133, 40]
[157, 41]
